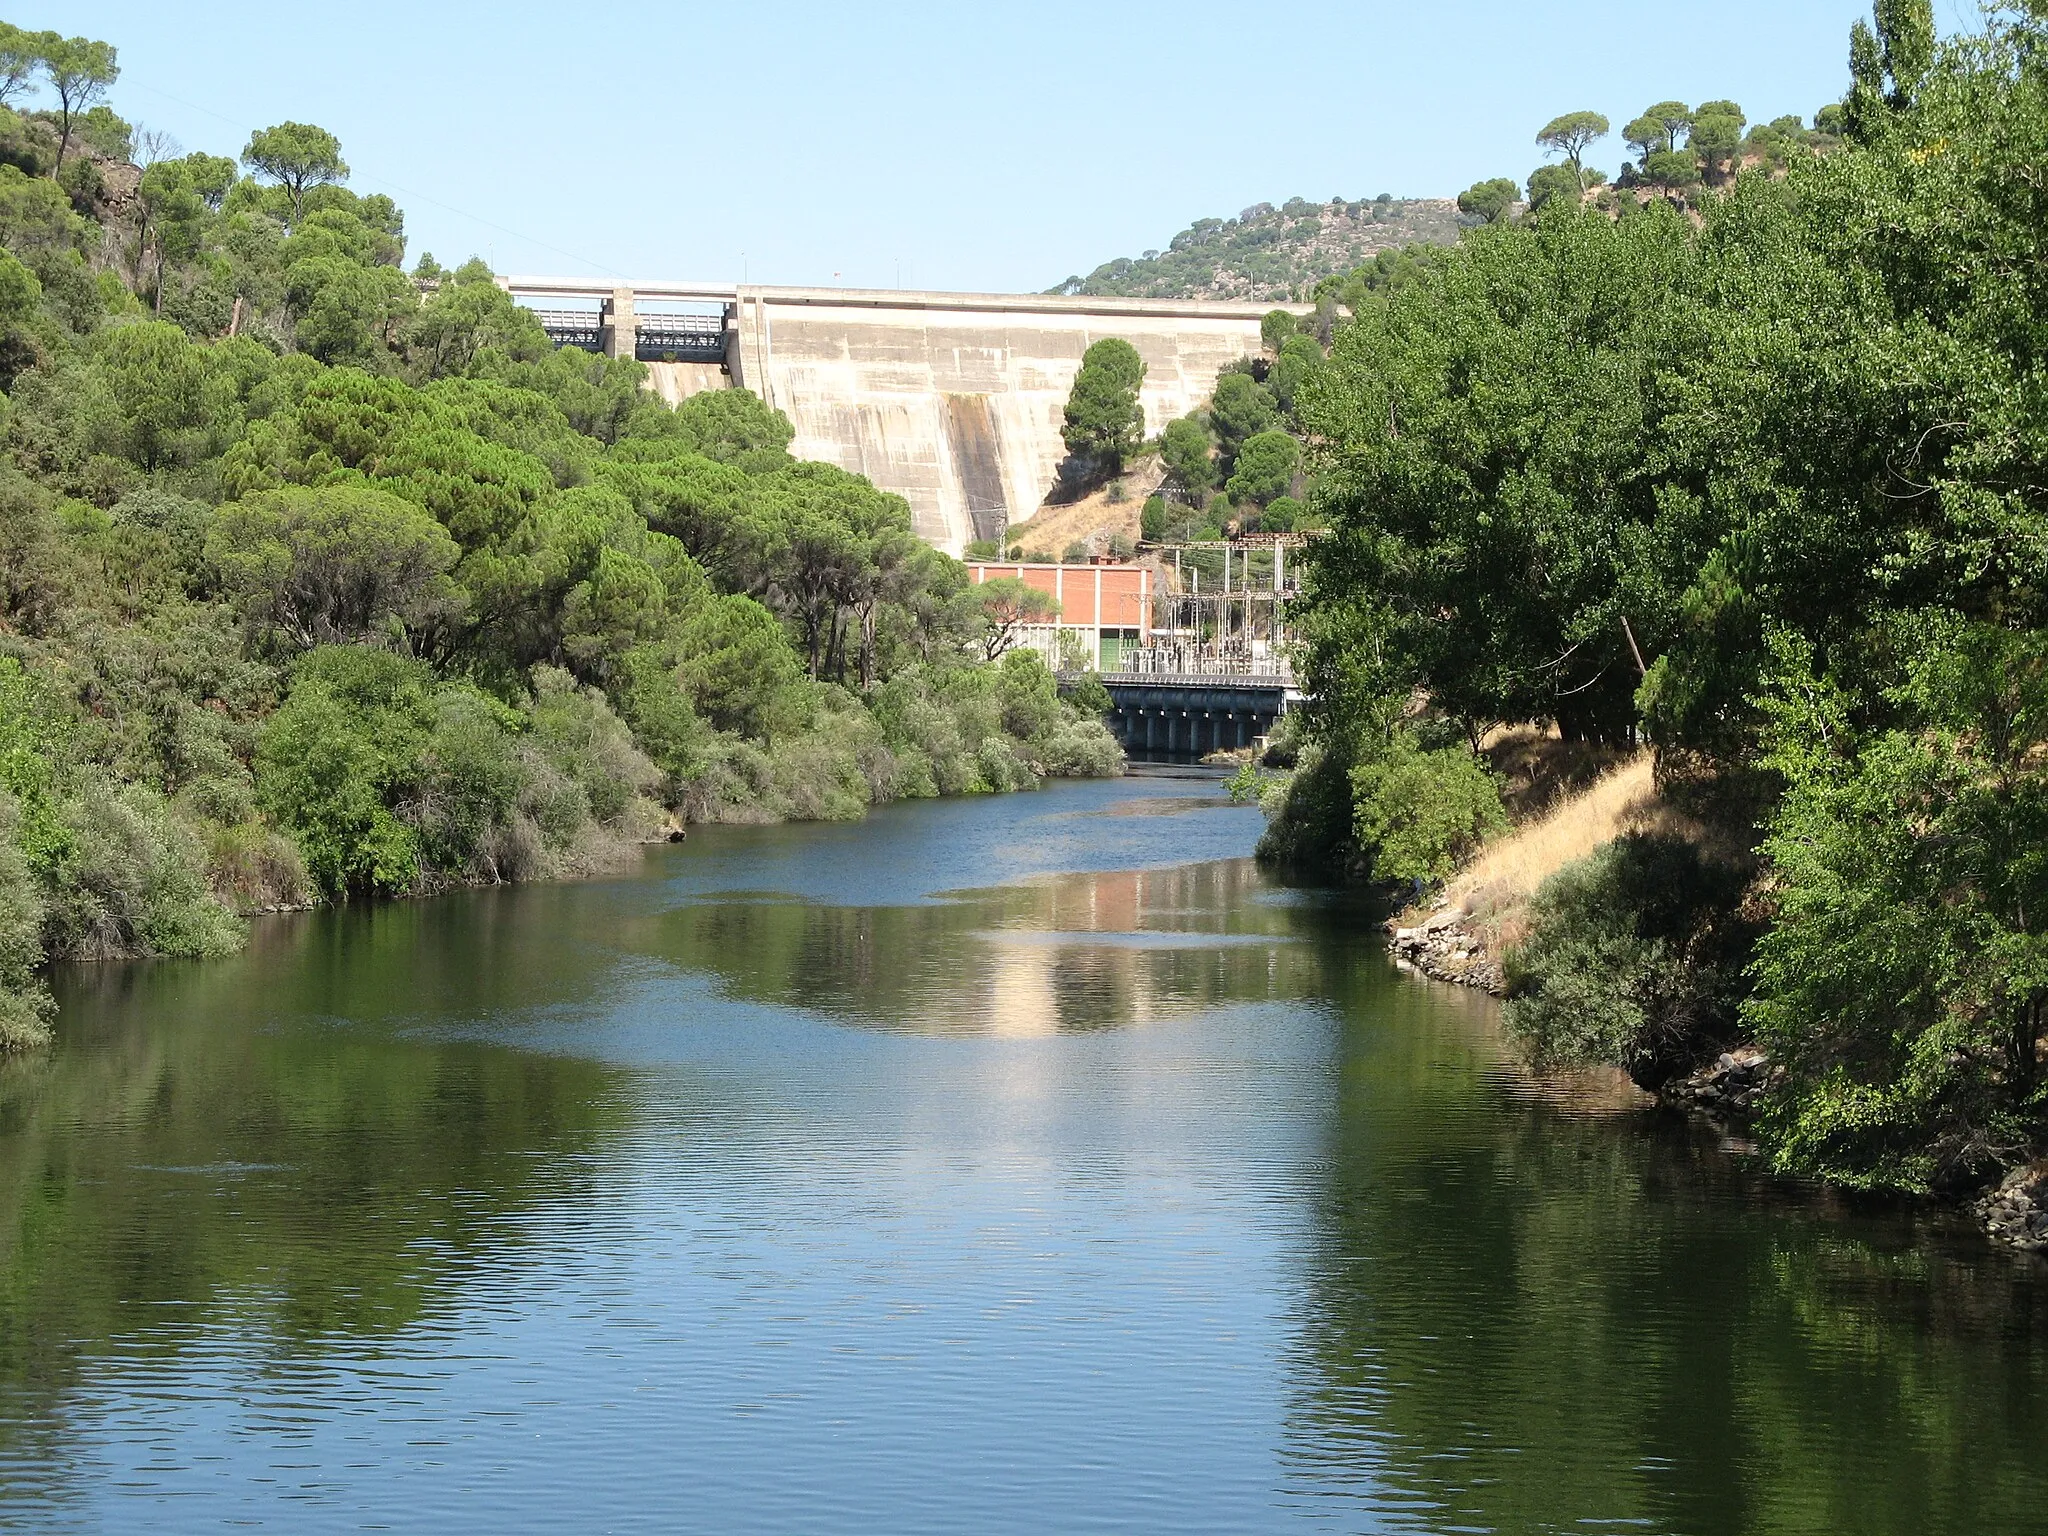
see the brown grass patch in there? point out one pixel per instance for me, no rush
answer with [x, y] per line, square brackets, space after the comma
[1494, 889]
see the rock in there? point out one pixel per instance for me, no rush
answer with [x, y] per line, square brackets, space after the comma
[2016, 1212]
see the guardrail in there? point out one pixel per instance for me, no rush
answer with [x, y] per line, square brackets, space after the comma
[1178, 662]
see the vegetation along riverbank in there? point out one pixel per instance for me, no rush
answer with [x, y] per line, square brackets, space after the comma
[319, 579]
[1738, 463]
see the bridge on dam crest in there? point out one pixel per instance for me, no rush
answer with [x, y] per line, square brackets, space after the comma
[954, 401]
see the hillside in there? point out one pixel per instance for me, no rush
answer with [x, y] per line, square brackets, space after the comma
[1272, 253]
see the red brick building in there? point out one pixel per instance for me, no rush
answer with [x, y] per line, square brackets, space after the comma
[1105, 608]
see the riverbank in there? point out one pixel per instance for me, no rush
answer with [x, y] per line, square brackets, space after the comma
[1467, 938]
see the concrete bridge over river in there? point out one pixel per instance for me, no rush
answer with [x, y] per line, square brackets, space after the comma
[952, 400]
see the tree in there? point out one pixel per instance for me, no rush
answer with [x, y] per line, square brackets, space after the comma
[1672, 169]
[1550, 184]
[1904, 986]
[1569, 136]
[1241, 408]
[1008, 605]
[1275, 326]
[1265, 468]
[1646, 135]
[1152, 520]
[1717, 138]
[20, 293]
[1888, 65]
[159, 382]
[176, 199]
[298, 157]
[1299, 356]
[21, 55]
[332, 565]
[1184, 448]
[81, 71]
[1488, 200]
[1676, 118]
[1104, 421]
[736, 664]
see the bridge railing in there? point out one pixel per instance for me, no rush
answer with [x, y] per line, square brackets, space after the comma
[1204, 662]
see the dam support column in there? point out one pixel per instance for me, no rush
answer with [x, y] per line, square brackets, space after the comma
[617, 330]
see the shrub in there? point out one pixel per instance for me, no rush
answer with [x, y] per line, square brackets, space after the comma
[1152, 520]
[1634, 957]
[1310, 819]
[334, 760]
[1423, 812]
[24, 1002]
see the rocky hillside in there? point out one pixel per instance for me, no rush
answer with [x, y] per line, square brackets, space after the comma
[1272, 253]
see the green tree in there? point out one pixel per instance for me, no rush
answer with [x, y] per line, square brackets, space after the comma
[1549, 184]
[737, 667]
[1241, 408]
[20, 294]
[1152, 519]
[1717, 138]
[1646, 135]
[1570, 136]
[335, 564]
[298, 157]
[338, 756]
[1299, 357]
[1421, 812]
[1887, 65]
[1676, 119]
[1905, 982]
[1185, 448]
[1276, 326]
[1009, 605]
[1488, 200]
[81, 71]
[1266, 466]
[21, 55]
[1104, 421]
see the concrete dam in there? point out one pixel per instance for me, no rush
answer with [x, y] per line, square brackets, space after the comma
[954, 401]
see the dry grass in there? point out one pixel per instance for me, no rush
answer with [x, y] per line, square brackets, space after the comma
[1494, 889]
[1050, 529]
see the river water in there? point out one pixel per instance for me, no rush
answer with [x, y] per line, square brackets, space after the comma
[1025, 1164]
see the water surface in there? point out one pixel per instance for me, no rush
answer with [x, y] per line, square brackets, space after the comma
[1014, 1164]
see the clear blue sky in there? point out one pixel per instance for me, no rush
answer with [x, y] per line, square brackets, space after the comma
[940, 145]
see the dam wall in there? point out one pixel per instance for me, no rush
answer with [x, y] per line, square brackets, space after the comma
[954, 401]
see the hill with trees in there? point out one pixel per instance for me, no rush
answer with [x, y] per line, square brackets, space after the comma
[320, 579]
[1745, 464]
[1269, 253]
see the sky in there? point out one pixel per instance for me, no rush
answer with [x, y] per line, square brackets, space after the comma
[986, 146]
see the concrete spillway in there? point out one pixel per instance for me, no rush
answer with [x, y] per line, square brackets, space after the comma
[954, 401]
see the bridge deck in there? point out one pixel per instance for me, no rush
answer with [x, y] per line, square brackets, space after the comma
[1194, 713]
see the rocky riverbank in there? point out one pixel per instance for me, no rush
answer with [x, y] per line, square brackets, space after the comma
[1448, 946]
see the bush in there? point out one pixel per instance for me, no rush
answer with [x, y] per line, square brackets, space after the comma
[1152, 520]
[24, 1002]
[1634, 957]
[337, 757]
[134, 881]
[1310, 820]
[1422, 813]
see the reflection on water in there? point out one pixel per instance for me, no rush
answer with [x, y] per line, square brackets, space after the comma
[1050, 955]
[1004, 1165]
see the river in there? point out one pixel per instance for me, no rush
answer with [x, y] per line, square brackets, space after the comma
[1028, 1163]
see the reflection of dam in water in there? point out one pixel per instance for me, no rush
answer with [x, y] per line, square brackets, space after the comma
[952, 400]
